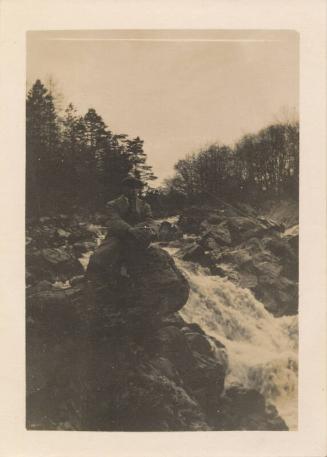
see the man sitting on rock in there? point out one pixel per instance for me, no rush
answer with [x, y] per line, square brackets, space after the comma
[131, 228]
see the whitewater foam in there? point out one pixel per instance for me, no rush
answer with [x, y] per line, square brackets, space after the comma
[262, 349]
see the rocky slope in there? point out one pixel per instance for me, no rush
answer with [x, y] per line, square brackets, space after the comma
[122, 357]
[255, 253]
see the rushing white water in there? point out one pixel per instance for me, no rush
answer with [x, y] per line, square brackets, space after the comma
[85, 257]
[262, 349]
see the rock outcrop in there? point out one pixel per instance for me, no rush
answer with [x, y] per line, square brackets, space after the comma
[118, 355]
[169, 232]
[253, 252]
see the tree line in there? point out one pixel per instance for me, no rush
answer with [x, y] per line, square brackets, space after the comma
[258, 167]
[75, 162]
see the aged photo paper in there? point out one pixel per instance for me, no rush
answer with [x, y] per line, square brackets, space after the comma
[164, 228]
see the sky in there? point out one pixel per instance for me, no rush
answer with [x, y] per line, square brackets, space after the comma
[178, 90]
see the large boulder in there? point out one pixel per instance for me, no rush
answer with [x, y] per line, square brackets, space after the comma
[83, 246]
[53, 263]
[192, 252]
[169, 232]
[190, 220]
[200, 367]
[282, 248]
[215, 236]
[243, 228]
[157, 284]
[55, 312]
[246, 409]
[83, 232]
[138, 295]
[268, 268]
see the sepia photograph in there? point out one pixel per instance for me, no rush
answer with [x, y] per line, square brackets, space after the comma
[162, 230]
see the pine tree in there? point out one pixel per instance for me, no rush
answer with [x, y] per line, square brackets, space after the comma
[137, 158]
[97, 139]
[75, 160]
[42, 141]
[73, 146]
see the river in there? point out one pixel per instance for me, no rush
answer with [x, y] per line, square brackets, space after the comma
[262, 349]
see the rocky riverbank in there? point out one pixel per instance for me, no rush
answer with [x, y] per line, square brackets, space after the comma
[122, 357]
[256, 253]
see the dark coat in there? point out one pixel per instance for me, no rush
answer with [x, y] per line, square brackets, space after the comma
[107, 256]
[119, 220]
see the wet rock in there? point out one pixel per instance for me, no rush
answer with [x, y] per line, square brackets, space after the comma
[152, 286]
[246, 209]
[40, 286]
[247, 280]
[246, 409]
[292, 237]
[252, 265]
[158, 284]
[280, 296]
[151, 401]
[63, 233]
[53, 263]
[243, 228]
[190, 220]
[44, 236]
[202, 373]
[197, 342]
[271, 224]
[77, 280]
[169, 232]
[282, 248]
[100, 218]
[28, 240]
[45, 219]
[192, 252]
[82, 232]
[173, 319]
[192, 327]
[215, 219]
[215, 236]
[83, 246]
[55, 311]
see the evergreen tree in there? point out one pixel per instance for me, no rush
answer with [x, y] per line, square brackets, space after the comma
[97, 143]
[137, 158]
[74, 160]
[73, 145]
[42, 139]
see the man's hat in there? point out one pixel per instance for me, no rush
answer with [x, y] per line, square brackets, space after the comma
[132, 181]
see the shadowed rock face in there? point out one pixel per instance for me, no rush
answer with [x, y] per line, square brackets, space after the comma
[169, 232]
[245, 409]
[157, 284]
[96, 366]
[253, 252]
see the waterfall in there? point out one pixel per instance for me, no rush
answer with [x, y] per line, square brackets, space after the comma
[262, 349]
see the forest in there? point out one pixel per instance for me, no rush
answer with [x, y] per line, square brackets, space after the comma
[75, 162]
[259, 167]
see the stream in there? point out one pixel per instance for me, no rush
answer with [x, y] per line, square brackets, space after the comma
[262, 349]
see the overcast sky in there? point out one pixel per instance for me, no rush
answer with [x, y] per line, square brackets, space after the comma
[177, 90]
